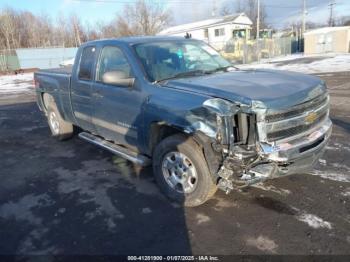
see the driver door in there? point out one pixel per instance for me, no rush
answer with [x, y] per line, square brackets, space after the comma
[117, 109]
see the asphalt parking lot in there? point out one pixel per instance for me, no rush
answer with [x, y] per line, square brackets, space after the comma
[74, 198]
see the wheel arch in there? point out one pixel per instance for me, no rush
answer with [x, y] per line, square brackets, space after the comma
[47, 99]
[161, 130]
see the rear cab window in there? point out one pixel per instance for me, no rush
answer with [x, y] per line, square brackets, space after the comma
[87, 62]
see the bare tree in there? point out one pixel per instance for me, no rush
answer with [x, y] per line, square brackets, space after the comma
[91, 32]
[45, 29]
[62, 37]
[142, 18]
[24, 29]
[76, 29]
[230, 7]
[8, 28]
[343, 21]
[250, 8]
[226, 9]
[239, 7]
[296, 26]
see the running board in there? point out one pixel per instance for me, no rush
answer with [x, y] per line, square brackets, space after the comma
[116, 149]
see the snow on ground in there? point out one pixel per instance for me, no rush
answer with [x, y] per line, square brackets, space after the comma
[69, 62]
[311, 219]
[263, 243]
[325, 63]
[314, 221]
[331, 175]
[20, 83]
[339, 172]
[271, 188]
[346, 193]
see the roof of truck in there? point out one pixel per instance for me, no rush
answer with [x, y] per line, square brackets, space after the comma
[139, 39]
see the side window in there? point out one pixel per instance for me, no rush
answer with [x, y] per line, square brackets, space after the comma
[112, 59]
[219, 32]
[87, 63]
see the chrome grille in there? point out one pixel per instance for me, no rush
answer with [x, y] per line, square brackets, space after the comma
[311, 105]
[280, 134]
[297, 120]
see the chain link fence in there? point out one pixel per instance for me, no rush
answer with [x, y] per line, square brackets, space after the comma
[247, 51]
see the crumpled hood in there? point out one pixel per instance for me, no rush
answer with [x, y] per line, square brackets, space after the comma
[276, 89]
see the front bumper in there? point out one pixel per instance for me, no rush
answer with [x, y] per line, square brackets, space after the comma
[294, 155]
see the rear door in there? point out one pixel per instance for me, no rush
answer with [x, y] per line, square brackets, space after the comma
[117, 112]
[81, 88]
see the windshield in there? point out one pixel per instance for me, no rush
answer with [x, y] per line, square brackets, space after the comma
[169, 59]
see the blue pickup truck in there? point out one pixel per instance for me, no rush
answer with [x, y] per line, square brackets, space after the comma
[177, 104]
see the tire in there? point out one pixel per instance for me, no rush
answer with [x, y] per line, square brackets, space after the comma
[183, 155]
[60, 128]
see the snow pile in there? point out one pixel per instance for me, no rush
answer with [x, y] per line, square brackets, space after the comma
[21, 83]
[346, 193]
[310, 219]
[272, 188]
[263, 243]
[68, 62]
[314, 221]
[331, 175]
[306, 64]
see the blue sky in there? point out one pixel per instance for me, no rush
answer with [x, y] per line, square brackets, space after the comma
[87, 10]
[279, 11]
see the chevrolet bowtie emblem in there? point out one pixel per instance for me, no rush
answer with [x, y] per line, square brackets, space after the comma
[311, 117]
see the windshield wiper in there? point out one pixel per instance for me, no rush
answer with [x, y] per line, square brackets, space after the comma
[184, 74]
[223, 68]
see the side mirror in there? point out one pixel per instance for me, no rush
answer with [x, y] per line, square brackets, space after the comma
[118, 78]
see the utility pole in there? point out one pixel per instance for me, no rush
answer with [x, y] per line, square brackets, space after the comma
[258, 21]
[331, 19]
[213, 12]
[304, 19]
[257, 32]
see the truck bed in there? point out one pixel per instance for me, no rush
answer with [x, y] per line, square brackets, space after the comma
[62, 70]
[56, 82]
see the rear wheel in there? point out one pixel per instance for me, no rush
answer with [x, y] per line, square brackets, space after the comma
[181, 171]
[60, 128]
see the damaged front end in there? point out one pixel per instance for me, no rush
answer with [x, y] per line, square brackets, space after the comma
[257, 143]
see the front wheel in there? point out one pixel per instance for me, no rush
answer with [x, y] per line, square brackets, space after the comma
[181, 171]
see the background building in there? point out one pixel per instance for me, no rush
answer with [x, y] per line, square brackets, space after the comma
[216, 31]
[327, 39]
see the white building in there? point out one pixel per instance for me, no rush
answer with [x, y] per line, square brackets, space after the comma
[327, 39]
[216, 31]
